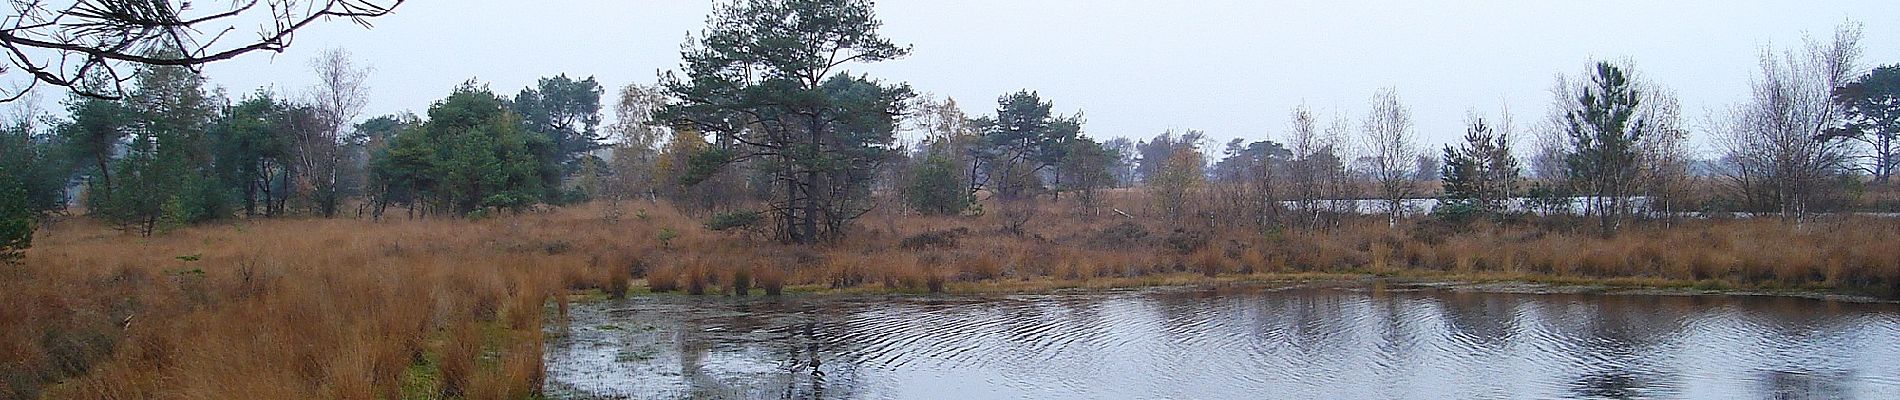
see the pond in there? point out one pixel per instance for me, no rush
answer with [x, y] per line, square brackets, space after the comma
[1321, 341]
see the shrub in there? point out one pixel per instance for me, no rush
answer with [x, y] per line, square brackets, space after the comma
[944, 239]
[741, 220]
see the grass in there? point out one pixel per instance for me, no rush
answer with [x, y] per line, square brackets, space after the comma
[354, 309]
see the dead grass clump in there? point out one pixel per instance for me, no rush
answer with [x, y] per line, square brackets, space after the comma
[663, 279]
[696, 280]
[771, 280]
[457, 359]
[741, 282]
[619, 279]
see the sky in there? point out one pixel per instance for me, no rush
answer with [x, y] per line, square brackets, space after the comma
[1234, 69]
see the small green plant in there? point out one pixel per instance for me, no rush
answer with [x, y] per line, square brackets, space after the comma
[641, 214]
[666, 237]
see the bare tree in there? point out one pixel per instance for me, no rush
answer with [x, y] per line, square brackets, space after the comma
[339, 96]
[1343, 187]
[1305, 172]
[637, 148]
[1392, 150]
[1778, 156]
[86, 44]
[1662, 154]
[1547, 153]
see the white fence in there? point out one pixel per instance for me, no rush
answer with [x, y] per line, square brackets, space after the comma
[1416, 207]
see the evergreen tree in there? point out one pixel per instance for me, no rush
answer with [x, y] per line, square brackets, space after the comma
[1479, 175]
[472, 155]
[764, 80]
[1604, 131]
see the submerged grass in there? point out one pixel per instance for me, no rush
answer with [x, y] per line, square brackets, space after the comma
[353, 309]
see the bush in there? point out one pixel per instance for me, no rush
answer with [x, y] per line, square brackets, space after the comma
[944, 239]
[743, 220]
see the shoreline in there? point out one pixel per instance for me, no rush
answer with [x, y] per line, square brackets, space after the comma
[1399, 281]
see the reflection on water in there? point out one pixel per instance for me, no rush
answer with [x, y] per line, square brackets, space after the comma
[1307, 342]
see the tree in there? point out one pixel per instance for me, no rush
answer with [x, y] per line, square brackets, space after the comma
[167, 176]
[91, 137]
[32, 183]
[1872, 104]
[1248, 178]
[1388, 131]
[472, 155]
[764, 80]
[254, 149]
[568, 112]
[935, 189]
[1123, 166]
[1778, 155]
[1308, 169]
[1175, 180]
[1480, 174]
[82, 45]
[1091, 167]
[322, 148]
[1602, 160]
[1023, 140]
[1663, 155]
[388, 183]
[632, 168]
[1155, 153]
[951, 134]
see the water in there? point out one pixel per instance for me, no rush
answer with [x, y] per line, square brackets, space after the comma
[1298, 342]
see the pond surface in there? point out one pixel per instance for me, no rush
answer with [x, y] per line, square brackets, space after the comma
[1219, 343]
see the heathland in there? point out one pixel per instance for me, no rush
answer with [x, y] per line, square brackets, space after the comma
[421, 308]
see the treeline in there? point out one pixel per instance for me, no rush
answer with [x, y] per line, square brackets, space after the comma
[172, 153]
[761, 130]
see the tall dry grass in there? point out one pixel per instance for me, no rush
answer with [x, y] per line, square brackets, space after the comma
[449, 308]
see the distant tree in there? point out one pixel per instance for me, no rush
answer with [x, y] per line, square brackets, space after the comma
[1091, 167]
[1176, 181]
[1123, 166]
[934, 188]
[166, 177]
[324, 149]
[1605, 129]
[1779, 157]
[1155, 153]
[1306, 173]
[1248, 183]
[32, 183]
[386, 184]
[634, 153]
[1480, 174]
[1425, 168]
[472, 154]
[90, 138]
[1393, 150]
[83, 45]
[568, 112]
[764, 80]
[254, 149]
[1872, 104]
[1023, 140]
[951, 134]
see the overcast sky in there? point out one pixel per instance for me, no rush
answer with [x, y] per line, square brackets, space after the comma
[1137, 68]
